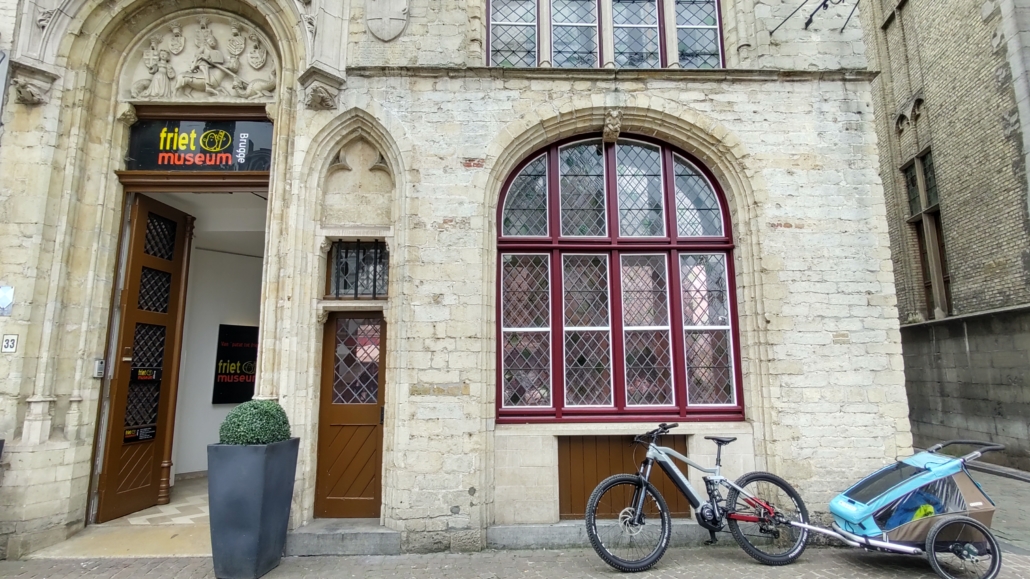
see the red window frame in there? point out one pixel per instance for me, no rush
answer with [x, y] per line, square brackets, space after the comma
[613, 247]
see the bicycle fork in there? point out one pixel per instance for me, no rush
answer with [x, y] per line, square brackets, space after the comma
[641, 491]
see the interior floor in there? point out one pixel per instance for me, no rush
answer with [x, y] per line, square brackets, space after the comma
[188, 506]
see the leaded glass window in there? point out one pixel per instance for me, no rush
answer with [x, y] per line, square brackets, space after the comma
[513, 33]
[574, 33]
[636, 33]
[609, 302]
[697, 34]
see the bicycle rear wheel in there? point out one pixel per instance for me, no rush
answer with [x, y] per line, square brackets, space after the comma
[623, 540]
[760, 524]
[963, 548]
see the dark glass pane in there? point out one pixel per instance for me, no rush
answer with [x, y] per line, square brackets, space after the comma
[583, 201]
[575, 46]
[912, 186]
[695, 13]
[931, 180]
[636, 47]
[511, 11]
[698, 47]
[513, 46]
[525, 207]
[697, 208]
[635, 12]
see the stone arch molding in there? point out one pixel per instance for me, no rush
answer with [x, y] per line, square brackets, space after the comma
[332, 154]
[200, 56]
[58, 34]
[711, 142]
[714, 145]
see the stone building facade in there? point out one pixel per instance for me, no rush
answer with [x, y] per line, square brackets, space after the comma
[953, 89]
[401, 128]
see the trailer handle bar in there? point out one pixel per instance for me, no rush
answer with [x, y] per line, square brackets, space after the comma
[986, 447]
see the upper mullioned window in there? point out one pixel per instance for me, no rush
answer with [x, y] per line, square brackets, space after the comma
[573, 33]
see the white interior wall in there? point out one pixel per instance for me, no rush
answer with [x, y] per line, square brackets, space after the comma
[224, 287]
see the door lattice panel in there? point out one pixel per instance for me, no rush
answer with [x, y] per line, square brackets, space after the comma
[356, 374]
[148, 346]
[141, 405]
[155, 288]
[160, 238]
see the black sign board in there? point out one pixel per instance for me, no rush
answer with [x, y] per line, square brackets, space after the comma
[235, 364]
[156, 145]
[139, 434]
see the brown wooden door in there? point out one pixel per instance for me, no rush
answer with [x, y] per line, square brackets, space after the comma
[348, 482]
[145, 369]
[585, 461]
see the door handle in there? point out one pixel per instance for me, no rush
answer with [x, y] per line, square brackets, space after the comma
[382, 413]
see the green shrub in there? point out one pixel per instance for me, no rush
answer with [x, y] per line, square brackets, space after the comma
[255, 422]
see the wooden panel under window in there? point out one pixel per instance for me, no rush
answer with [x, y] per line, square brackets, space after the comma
[584, 461]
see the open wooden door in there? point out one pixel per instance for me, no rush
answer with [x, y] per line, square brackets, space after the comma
[348, 482]
[145, 371]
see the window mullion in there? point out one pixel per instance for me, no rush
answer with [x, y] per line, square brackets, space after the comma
[557, 333]
[663, 54]
[615, 325]
[678, 356]
[544, 34]
[606, 41]
[933, 254]
[670, 33]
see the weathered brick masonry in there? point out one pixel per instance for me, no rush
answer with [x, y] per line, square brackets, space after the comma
[960, 67]
[787, 130]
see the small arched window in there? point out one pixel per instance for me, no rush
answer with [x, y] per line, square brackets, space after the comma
[616, 287]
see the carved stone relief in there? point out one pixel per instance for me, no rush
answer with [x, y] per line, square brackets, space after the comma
[31, 86]
[198, 58]
[358, 188]
[386, 19]
[612, 125]
[320, 98]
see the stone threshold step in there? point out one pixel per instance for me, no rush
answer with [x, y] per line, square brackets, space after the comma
[571, 534]
[343, 537]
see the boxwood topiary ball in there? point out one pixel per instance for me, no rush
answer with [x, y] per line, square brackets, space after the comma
[255, 422]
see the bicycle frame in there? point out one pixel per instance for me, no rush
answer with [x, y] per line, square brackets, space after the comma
[663, 455]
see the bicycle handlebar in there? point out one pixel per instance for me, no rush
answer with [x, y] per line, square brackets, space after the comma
[987, 447]
[663, 428]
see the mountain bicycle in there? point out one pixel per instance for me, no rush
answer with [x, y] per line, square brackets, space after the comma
[630, 527]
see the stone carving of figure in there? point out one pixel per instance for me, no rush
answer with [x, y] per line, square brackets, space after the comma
[208, 64]
[612, 125]
[161, 78]
[28, 93]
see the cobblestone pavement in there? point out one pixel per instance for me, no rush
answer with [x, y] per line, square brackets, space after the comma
[729, 562]
[1012, 519]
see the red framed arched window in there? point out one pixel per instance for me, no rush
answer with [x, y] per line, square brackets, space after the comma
[615, 287]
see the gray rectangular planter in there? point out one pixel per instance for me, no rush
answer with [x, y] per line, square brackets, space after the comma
[250, 488]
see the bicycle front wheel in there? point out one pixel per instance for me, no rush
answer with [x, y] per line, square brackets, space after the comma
[963, 548]
[626, 539]
[758, 520]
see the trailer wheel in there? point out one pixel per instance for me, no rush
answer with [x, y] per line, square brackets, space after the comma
[963, 548]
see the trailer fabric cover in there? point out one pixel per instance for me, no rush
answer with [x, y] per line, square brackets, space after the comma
[953, 495]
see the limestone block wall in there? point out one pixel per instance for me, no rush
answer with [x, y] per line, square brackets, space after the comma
[453, 33]
[526, 463]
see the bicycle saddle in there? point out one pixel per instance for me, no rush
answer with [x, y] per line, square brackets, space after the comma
[721, 440]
